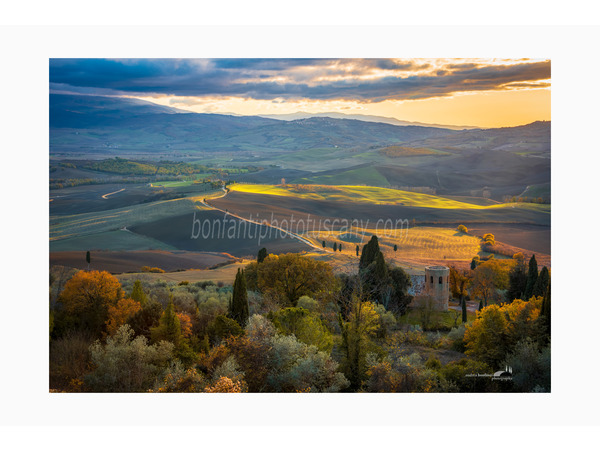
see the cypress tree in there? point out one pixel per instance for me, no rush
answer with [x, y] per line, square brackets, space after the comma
[395, 247]
[380, 270]
[545, 312]
[340, 247]
[335, 246]
[169, 328]
[357, 249]
[532, 276]
[262, 254]
[474, 263]
[464, 310]
[239, 301]
[369, 253]
[88, 258]
[138, 294]
[517, 282]
[324, 245]
[541, 285]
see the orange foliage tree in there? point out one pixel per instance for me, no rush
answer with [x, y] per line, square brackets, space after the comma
[498, 328]
[185, 321]
[225, 385]
[120, 313]
[86, 298]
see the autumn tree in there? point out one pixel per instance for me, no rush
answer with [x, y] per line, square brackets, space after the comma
[238, 310]
[85, 300]
[497, 329]
[120, 313]
[307, 327]
[356, 340]
[486, 337]
[488, 277]
[532, 276]
[489, 239]
[185, 322]
[459, 283]
[288, 277]
[145, 319]
[225, 385]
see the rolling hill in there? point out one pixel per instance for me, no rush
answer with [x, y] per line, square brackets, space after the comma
[89, 124]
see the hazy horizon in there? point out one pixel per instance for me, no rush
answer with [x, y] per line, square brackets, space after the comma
[486, 93]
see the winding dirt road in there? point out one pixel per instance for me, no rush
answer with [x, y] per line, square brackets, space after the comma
[105, 196]
[265, 223]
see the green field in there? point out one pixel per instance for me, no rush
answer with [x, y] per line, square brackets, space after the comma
[367, 175]
[180, 183]
[109, 240]
[63, 227]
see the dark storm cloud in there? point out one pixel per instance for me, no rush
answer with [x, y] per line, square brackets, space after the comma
[267, 79]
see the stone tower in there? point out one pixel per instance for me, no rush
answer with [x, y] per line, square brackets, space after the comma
[437, 285]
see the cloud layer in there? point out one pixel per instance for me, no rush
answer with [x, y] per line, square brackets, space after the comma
[362, 80]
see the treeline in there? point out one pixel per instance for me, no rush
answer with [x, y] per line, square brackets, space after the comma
[287, 324]
[130, 167]
[58, 183]
[515, 199]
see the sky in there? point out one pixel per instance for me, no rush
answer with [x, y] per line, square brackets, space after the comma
[474, 92]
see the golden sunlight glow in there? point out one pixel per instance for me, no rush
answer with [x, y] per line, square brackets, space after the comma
[510, 104]
[482, 109]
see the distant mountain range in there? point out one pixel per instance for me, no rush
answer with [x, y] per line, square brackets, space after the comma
[113, 125]
[364, 118]
[323, 150]
[92, 124]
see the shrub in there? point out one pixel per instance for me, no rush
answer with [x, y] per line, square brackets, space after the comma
[69, 360]
[126, 364]
[460, 373]
[433, 363]
[152, 269]
[462, 229]
[308, 303]
[489, 239]
[179, 379]
[223, 327]
[530, 367]
[456, 338]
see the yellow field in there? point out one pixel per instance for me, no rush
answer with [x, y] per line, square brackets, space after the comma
[416, 245]
[225, 274]
[373, 195]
